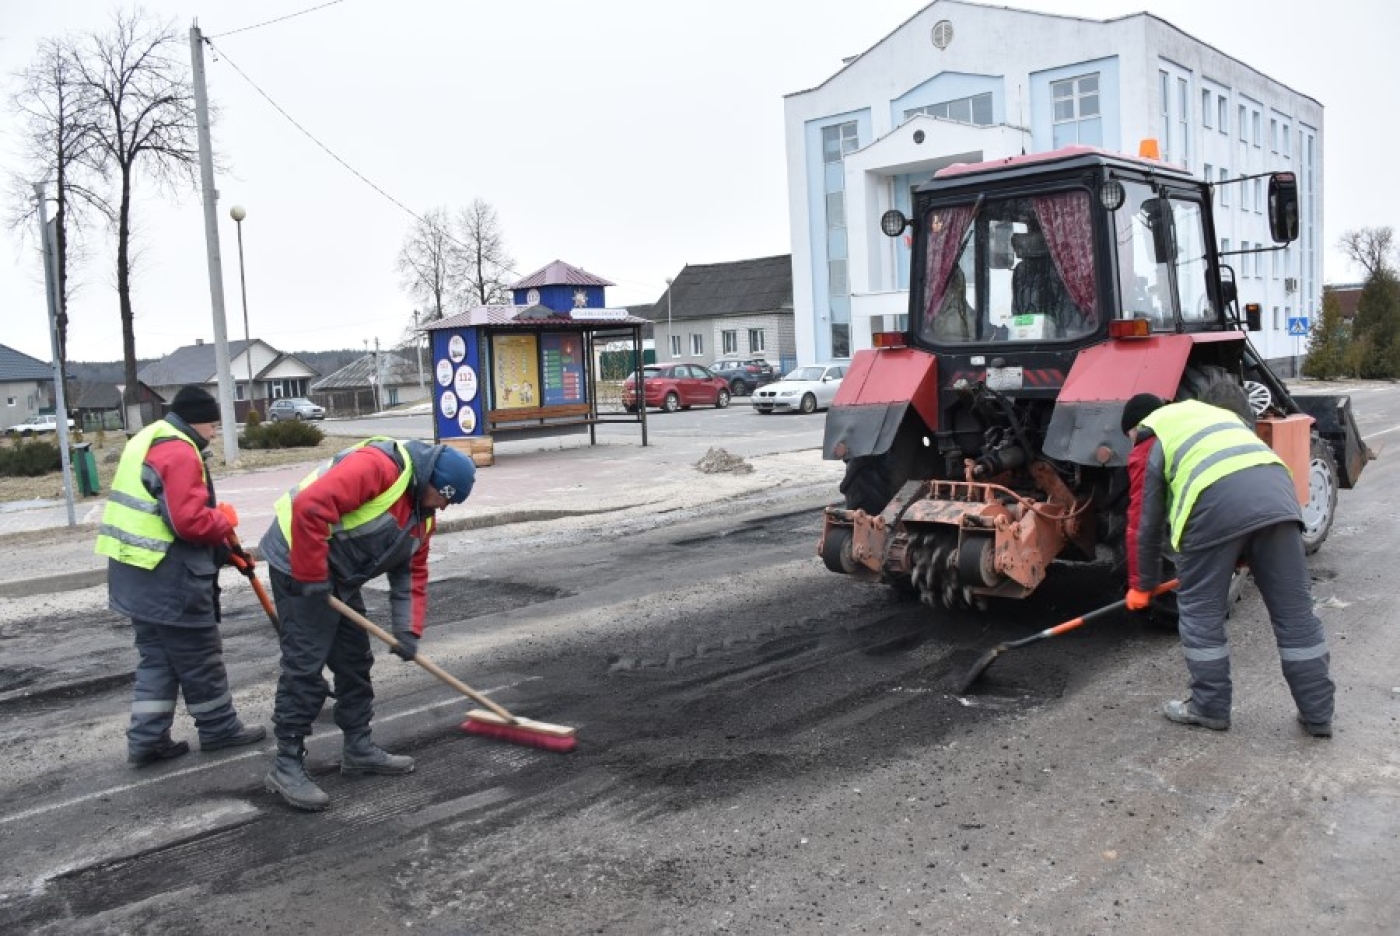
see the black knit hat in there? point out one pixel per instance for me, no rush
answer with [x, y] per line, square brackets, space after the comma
[1139, 408]
[195, 405]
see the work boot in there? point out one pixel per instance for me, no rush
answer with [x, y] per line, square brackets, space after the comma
[242, 736]
[361, 755]
[1316, 729]
[164, 751]
[288, 778]
[1184, 713]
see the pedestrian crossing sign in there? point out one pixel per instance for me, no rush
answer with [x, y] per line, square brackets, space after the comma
[1298, 327]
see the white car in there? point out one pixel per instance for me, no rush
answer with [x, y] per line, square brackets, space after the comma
[36, 425]
[805, 390]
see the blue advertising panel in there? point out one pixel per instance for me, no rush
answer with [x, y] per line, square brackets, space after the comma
[562, 368]
[457, 384]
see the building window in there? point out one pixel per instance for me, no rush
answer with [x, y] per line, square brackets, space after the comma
[730, 339]
[1278, 322]
[1258, 196]
[837, 141]
[1209, 174]
[11, 401]
[1244, 194]
[975, 110]
[238, 390]
[1183, 119]
[1273, 135]
[1244, 124]
[1164, 88]
[1287, 142]
[1224, 113]
[1206, 109]
[1224, 188]
[697, 345]
[1258, 135]
[675, 346]
[1077, 115]
[756, 339]
[1225, 245]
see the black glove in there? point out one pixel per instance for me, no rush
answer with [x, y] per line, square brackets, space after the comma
[242, 554]
[221, 553]
[300, 589]
[407, 647]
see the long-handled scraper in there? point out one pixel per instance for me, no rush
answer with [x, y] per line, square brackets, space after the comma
[988, 658]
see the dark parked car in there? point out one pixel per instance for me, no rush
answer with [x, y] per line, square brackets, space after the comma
[676, 386]
[294, 408]
[745, 375]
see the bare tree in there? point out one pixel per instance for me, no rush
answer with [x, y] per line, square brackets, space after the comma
[485, 263]
[1369, 248]
[428, 263]
[55, 144]
[136, 85]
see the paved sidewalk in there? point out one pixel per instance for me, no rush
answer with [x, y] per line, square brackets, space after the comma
[530, 480]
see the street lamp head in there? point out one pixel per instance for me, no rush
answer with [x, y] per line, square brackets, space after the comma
[237, 213]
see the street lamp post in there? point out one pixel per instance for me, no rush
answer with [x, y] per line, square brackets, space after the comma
[237, 213]
[670, 341]
[418, 346]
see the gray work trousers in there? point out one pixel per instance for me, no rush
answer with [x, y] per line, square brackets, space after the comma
[173, 661]
[1280, 569]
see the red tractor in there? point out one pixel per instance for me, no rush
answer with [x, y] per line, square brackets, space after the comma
[983, 443]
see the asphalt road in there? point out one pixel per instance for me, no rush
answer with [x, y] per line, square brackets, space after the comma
[764, 747]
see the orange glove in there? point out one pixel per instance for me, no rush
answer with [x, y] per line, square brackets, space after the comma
[229, 513]
[1138, 600]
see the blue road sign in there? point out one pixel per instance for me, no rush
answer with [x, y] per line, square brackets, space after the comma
[1298, 327]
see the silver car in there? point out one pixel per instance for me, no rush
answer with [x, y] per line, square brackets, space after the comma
[805, 390]
[298, 408]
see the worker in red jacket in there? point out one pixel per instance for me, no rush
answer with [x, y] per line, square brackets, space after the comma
[1202, 483]
[165, 537]
[368, 512]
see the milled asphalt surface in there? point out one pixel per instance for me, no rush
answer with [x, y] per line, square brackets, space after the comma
[533, 478]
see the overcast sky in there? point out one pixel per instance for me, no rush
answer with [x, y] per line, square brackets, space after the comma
[626, 137]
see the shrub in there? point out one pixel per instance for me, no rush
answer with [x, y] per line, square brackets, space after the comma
[254, 418]
[30, 459]
[291, 434]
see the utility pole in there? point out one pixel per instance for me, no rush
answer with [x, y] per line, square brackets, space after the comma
[227, 413]
[378, 379]
[60, 401]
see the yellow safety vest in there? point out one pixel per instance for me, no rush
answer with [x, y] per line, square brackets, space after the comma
[133, 530]
[367, 512]
[1202, 444]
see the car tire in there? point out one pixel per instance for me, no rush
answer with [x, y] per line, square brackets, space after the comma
[722, 399]
[671, 403]
[809, 403]
[272, 418]
[737, 387]
[630, 409]
[298, 417]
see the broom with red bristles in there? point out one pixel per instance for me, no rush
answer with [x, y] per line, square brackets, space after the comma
[497, 723]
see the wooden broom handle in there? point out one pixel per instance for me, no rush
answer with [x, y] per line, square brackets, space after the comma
[370, 627]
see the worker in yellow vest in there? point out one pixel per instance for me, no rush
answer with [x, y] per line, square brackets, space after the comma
[1202, 483]
[165, 536]
[369, 512]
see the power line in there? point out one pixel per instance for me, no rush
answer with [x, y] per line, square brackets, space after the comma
[279, 19]
[329, 152]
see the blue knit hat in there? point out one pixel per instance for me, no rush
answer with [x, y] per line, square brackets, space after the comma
[453, 475]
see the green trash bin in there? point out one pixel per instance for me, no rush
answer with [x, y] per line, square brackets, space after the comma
[85, 469]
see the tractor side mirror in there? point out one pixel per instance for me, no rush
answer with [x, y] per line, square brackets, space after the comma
[1157, 215]
[1283, 207]
[1253, 316]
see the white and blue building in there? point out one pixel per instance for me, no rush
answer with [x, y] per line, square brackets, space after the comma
[962, 82]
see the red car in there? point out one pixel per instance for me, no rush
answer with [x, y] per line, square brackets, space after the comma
[676, 386]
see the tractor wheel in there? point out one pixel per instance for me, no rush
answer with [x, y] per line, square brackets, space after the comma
[1216, 386]
[868, 485]
[1321, 508]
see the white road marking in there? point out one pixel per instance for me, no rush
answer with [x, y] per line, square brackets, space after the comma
[225, 761]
